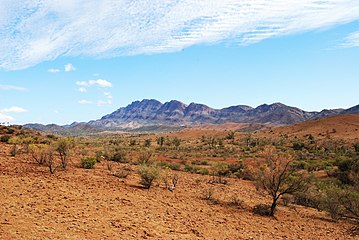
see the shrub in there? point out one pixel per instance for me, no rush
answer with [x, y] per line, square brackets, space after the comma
[298, 146]
[14, 150]
[63, 147]
[262, 209]
[200, 162]
[145, 158]
[235, 168]
[230, 135]
[147, 143]
[174, 166]
[88, 162]
[160, 141]
[4, 138]
[39, 153]
[133, 142]
[356, 147]
[148, 175]
[119, 155]
[220, 170]
[123, 172]
[236, 201]
[9, 130]
[99, 156]
[50, 160]
[208, 194]
[341, 203]
[170, 180]
[203, 171]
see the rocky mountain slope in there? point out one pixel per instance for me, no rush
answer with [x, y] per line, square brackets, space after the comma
[174, 114]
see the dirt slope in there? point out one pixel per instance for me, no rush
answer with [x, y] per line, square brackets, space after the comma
[91, 204]
[341, 126]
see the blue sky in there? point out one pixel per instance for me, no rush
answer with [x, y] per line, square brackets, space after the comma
[65, 61]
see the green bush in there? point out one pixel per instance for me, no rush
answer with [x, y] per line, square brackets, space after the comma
[4, 138]
[88, 162]
[148, 175]
[145, 158]
[119, 155]
[174, 166]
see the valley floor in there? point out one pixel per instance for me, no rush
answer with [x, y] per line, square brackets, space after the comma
[92, 204]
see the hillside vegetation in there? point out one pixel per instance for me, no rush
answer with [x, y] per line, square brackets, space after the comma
[192, 184]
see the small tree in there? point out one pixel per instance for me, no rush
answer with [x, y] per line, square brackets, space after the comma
[219, 171]
[176, 142]
[160, 141]
[277, 177]
[63, 147]
[230, 135]
[147, 143]
[50, 160]
[39, 152]
[15, 141]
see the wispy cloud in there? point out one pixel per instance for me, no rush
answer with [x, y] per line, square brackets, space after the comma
[101, 102]
[36, 31]
[12, 88]
[4, 117]
[352, 40]
[98, 102]
[69, 67]
[85, 102]
[82, 89]
[99, 82]
[13, 110]
[53, 70]
[108, 95]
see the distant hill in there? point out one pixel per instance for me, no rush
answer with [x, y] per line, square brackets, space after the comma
[339, 126]
[352, 110]
[152, 114]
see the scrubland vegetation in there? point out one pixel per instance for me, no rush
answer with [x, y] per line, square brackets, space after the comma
[316, 173]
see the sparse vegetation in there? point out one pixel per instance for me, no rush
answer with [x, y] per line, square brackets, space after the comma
[279, 168]
[263, 210]
[148, 174]
[88, 162]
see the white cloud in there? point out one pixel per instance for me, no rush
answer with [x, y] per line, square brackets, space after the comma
[99, 82]
[82, 89]
[101, 102]
[12, 88]
[37, 31]
[13, 110]
[98, 102]
[352, 40]
[108, 95]
[6, 118]
[85, 102]
[69, 67]
[53, 70]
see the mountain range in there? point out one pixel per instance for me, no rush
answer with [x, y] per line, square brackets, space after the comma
[152, 114]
